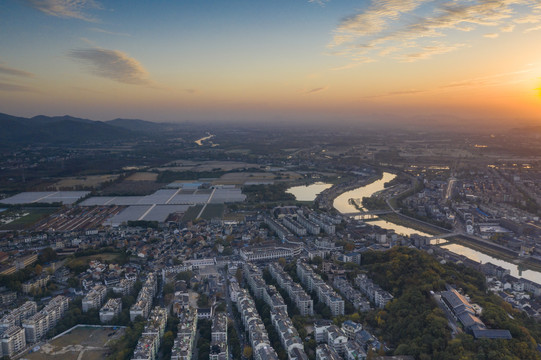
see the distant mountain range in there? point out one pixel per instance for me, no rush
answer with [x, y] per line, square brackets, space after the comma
[67, 129]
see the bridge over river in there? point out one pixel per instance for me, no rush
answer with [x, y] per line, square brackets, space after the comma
[369, 213]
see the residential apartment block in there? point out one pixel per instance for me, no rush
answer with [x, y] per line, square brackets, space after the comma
[145, 298]
[258, 337]
[302, 300]
[360, 303]
[13, 340]
[187, 328]
[16, 316]
[218, 344]
[123, 287]
[38, 324]
[289, 337]
[325, 293]
[151, 339]
[95, 298]
[37, 283]
[372, 291]
[112, 308]
[332, 335]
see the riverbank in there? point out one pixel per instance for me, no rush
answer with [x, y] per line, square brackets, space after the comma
[509, 255]
[414, 224]
[326, 198]
[475, 248]
[489, 249]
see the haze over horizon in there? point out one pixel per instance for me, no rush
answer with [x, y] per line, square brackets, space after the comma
[322, 61]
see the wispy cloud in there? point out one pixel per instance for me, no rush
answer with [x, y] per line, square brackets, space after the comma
[112, 64]
[14, 87]
[316, 90]
[535, 28]
[373, 20]
[486, 80]
[429, 51]
[529, 19]
[89, 42]
[6, 70]
[396, 93]
[347, 66]
[491, 35]
[319, 2]
[103, 31]
[396, 27]
[75, 9]
[508, 28]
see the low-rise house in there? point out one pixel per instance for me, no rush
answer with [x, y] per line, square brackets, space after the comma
[324, 352]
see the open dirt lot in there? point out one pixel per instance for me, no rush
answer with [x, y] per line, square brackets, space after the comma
[79, 344]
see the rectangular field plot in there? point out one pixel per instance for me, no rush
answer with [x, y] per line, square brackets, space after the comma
[161, 212]
[159, 197]
[98, 200]
[190, 199]
[47, 197]
[213, 211]
[132, 213]
[227, 196]
[112, 200]
[23, 219]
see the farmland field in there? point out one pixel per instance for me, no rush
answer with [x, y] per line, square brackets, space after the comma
[25, 218]
[143, 176]
[213, 211]
[91, 181]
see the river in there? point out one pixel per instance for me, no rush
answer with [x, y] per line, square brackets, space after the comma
[342, 204]
[308, 192]
[200, 141]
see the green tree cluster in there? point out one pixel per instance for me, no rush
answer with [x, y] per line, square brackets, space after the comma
[203, 343]
[413, 324]
[267, 193]
[233, 341]
[123, 348]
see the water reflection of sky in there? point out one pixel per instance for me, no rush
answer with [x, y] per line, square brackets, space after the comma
[308, 192]
[341, 203]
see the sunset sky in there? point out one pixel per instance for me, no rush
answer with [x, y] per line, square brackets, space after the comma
[272, 60]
